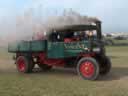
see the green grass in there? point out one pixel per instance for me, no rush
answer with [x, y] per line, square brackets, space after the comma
[120, 41]
[65, 82]
[117, 41]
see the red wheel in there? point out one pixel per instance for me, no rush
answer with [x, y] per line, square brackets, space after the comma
[21, 64]
[24, 64]
[88, 68]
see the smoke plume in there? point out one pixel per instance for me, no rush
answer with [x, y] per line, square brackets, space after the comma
[28, 24]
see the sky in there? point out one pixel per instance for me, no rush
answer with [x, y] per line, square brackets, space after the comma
[112, 13]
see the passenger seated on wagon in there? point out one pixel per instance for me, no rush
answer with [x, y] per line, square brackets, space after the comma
[83, 35]
[73, 36]
[55, 37]
[68, 37]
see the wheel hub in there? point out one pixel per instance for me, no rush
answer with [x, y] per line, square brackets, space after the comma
[87, 69]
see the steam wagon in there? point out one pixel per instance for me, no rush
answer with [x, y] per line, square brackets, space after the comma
[74, 46]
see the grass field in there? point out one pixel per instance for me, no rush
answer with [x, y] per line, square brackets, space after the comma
[120, 41]
[65, 82]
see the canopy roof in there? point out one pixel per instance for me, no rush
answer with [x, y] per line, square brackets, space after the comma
[70, 28]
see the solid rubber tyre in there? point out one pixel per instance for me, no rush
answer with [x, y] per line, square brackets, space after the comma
[88, 68]
[106, 66]
[24, 64]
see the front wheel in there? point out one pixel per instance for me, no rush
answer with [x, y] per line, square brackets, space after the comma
[106, 66]
[88, 68]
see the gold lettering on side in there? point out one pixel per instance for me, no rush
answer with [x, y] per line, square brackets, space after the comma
[74, 46]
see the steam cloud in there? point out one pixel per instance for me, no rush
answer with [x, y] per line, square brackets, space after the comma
[27, 25]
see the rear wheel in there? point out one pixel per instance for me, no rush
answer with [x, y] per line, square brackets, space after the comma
[88, 68]
[45, 67]
[24, 64]
[106, 66]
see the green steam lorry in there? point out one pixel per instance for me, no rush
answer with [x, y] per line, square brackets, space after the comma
[74, 46]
